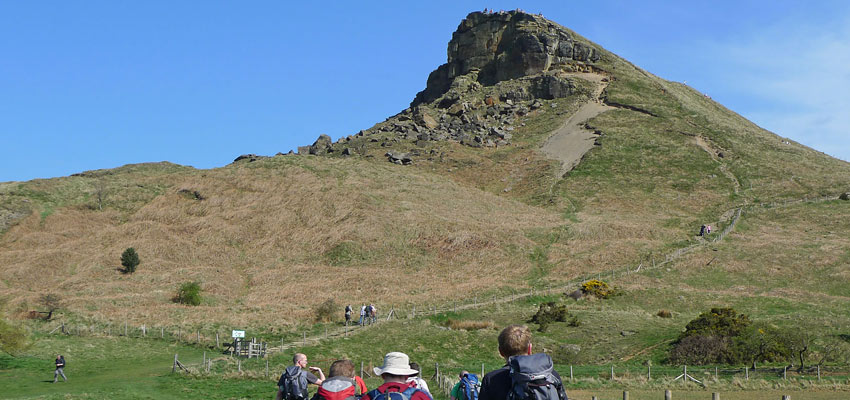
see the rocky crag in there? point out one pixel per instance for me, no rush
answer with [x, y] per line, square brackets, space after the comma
[500, 67]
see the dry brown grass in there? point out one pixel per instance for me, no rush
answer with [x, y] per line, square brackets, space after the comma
[469, 325]
[256, 244]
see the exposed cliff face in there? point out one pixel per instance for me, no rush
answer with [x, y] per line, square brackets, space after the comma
[503, 46]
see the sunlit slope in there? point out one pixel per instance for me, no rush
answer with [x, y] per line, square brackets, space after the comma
[270, 240]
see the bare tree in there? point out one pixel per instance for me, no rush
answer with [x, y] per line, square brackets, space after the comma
[51, 302]
[100, 193]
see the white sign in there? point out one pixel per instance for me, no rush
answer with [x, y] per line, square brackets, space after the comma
[238, 334]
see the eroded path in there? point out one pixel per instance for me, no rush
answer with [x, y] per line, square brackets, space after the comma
[572, 140]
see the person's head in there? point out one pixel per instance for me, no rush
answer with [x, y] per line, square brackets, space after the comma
[515, 340]
[415, 366]
[342, 368]
[299, 359]
[462, 374]
[396, 368]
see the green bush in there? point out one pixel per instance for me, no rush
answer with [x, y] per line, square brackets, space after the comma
[325, 312]
[130, 260]
[550, 312]
[722, 322]
[189, 293]
[716, 336]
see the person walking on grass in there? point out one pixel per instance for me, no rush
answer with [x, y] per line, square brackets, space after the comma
[347, 314]
[362, 315]
[60, 369]
[394, 372]
[292, 384]
[520, 366]
[340, 384]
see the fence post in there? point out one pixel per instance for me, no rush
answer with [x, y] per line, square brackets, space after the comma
[785, 372]
[715, 396]
[199, 336]
[482, 369]
[304, 337]
[571, 373]
[174, 366]
[361, 369]
[205, 358]
[747, 373]
[125, 327]
[612, 372]
[818, 371]
[414, 311]
[239, 364]
[649, 372]
[668, 395]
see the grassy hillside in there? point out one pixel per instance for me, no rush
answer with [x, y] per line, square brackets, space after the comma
[270, 240]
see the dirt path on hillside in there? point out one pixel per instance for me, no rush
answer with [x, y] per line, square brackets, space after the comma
[572, 140]
[703, 144]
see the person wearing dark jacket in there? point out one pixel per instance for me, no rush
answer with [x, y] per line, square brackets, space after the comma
[60, 369]
[515, 340]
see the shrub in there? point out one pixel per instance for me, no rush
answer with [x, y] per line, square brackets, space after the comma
[51, 302]
[548, 313]
[723, 322]
[597, 288]
[665, 314]
[700, 350]
[189, 293]
[130, 260]
[325, 312]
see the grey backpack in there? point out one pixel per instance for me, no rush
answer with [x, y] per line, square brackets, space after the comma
[533, 378]
[293, 383]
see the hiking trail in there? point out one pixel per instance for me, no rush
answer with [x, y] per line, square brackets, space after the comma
[572, 140]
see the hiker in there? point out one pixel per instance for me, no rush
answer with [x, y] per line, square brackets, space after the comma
[708, 229]
[416, 380]
[373, 313]
[340, 385]
[292, 384]
[347, 314]
[702, 230]
[362, 314]
[466, 388]
[394, 372]
[520, 363]
[60, 369]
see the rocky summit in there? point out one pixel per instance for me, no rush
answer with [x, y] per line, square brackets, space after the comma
[500, 66]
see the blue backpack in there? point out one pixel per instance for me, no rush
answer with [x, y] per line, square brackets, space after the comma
[471, 386]
[374, 394]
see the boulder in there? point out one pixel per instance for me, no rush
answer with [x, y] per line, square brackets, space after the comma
[845, 196]
[249, 157]
[322, 145]
[399, 158]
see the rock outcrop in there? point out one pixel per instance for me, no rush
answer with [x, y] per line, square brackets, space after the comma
[503, 46]
[500, 68]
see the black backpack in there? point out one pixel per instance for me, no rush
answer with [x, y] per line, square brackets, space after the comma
[533, 378]
[293, 383]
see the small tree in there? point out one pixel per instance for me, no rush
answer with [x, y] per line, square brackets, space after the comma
[130, 260]
[189, 293]
[51, 302]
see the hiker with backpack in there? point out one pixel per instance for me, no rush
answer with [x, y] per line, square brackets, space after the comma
[347, 314]
[340, 385]
[525, 375]
[416, 380]
[394, 372]
[293, 382]
[466, 388]
[362, 315]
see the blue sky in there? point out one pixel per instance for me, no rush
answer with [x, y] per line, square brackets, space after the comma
[98, 84]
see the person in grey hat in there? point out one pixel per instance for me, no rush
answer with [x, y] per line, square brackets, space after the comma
[394, 372]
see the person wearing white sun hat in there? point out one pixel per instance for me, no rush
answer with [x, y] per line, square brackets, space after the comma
[394, 372]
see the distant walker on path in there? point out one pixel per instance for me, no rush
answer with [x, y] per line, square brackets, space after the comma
[60, 366]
